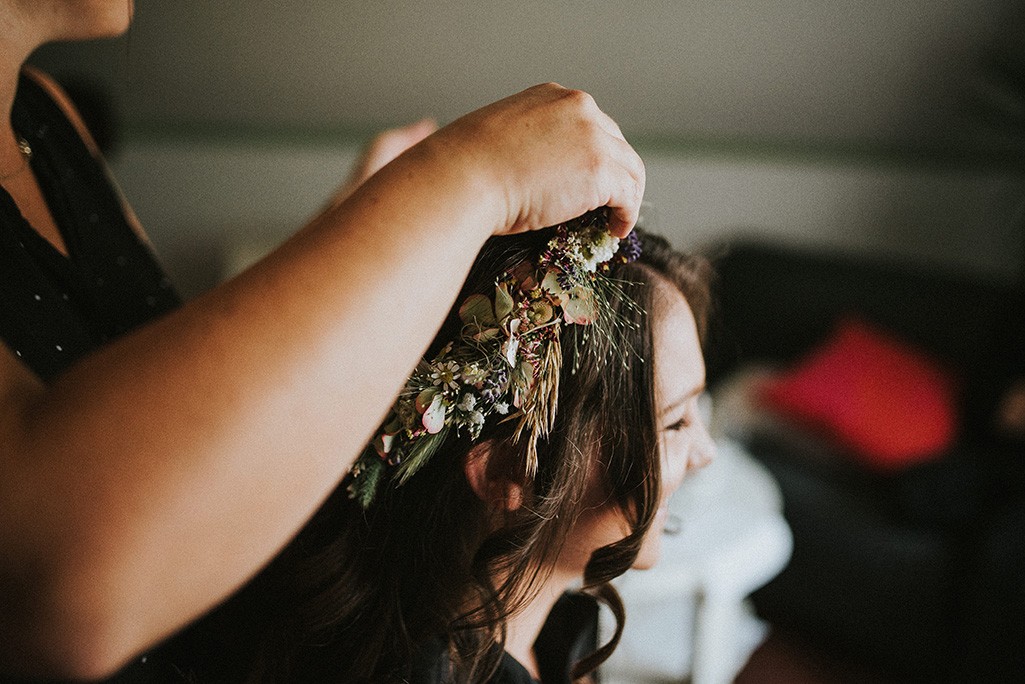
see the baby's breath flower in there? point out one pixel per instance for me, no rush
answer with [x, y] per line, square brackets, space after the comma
[473, 374]
[468, 402]
[603, 249]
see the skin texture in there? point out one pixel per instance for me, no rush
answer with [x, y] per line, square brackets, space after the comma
[382, 149]
[685, 445]
[177, 460]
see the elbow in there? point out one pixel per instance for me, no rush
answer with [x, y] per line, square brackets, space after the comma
[65, 654]
[86, 658]
[78, 658]
[54, 636]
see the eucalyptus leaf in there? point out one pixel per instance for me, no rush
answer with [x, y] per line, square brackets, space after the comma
[392, 425]
[425, 398]
[503, 302]
[477, 310]
[488, 334]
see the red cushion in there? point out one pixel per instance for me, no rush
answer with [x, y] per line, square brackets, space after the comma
[884, 400]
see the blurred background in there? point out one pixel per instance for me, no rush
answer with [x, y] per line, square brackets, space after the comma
[866, 125]
[859, 161]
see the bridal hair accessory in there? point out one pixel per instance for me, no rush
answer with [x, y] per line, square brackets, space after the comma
[505, 362]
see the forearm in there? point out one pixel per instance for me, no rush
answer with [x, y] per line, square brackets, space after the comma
[223, 425]
[158, 474]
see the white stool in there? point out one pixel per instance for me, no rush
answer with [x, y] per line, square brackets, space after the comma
[688, 618]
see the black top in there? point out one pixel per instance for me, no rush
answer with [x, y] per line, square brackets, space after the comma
[54, 309]
[569, 634]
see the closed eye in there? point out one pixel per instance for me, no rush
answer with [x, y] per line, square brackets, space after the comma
[681, 424]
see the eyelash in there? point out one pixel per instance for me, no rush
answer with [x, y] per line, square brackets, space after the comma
[679, 425]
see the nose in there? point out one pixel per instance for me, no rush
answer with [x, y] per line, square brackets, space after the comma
[703, 447]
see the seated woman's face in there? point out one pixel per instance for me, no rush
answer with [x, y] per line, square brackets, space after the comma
[684, 440]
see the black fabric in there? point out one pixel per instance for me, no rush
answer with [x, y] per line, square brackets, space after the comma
[776, 303]
[55, 309]
[916, 573]
[569, 634]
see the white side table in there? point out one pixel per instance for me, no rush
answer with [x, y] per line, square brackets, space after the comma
[688, 618]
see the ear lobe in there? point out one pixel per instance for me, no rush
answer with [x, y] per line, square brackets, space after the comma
[513, 495]
[489, 480]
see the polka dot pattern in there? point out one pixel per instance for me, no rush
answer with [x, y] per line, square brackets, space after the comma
[55, 308]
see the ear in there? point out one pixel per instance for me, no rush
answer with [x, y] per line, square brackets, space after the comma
[489, 480]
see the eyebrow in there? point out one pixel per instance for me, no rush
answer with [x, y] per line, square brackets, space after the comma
[682, 400]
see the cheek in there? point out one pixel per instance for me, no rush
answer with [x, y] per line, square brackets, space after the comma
[594, 529]
[675, 454]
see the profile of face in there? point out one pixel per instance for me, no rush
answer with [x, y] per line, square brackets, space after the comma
[78, 19]
[684, 440]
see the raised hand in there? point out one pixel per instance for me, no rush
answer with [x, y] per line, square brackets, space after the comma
[543, 156]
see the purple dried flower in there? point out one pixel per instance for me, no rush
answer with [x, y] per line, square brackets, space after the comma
[494, 386]
[630, 248]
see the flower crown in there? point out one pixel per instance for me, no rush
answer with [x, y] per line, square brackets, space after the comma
[507, 358]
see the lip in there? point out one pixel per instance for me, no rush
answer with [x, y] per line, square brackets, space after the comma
[662, 512]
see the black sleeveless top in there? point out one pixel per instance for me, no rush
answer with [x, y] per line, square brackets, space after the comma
[54, 309]
[569, 634]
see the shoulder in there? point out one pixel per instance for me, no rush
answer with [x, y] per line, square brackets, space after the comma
[67, 107]
[60, 97]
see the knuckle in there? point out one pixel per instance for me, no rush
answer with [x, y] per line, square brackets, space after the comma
[579, 98]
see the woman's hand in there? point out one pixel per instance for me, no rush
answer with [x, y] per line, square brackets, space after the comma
[544, 156]
[238, 413]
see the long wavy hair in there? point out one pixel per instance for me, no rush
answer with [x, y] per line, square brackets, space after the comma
[365, 595]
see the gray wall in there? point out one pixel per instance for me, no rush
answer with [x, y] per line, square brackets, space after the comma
[890, 70]
[850, 124]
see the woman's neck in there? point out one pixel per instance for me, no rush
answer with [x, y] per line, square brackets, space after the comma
[15, 47]
[523, 628]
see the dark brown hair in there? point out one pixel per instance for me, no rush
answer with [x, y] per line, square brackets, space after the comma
[368, 595]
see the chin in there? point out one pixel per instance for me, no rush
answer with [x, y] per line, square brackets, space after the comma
[651, 547]
[100, 19]
[650, 553]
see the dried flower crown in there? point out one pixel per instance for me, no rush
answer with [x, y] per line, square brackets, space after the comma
[507, 358]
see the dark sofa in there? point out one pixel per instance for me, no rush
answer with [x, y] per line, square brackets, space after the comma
[918, 573]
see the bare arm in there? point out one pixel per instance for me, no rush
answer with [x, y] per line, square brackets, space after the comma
[161, 472]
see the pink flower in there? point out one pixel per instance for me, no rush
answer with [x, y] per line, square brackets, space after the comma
[434, 416]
